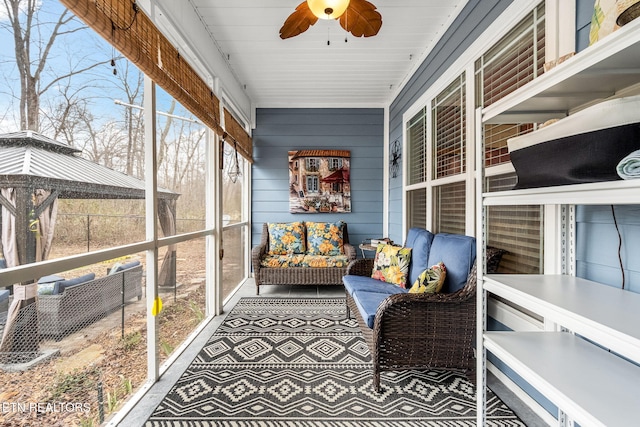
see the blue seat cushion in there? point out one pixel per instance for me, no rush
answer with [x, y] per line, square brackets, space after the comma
[458, 253]
[353, 283]
[63, 284]
[367, 303]
[4, 295]
[419, 240]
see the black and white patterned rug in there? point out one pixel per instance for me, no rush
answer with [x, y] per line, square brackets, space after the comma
[285, 362]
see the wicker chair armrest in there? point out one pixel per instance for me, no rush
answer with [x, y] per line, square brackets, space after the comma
[350, 251]
[360, 267]
[428, 298]
[400, 313]
[257, 253]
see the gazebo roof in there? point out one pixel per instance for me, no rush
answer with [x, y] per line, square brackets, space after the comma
[29, 159]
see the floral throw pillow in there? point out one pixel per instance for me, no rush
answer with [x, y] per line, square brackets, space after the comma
[286, 238]
[325, 238]
[391, 264]
[430, 281]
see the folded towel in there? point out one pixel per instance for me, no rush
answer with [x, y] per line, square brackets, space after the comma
[629, 167]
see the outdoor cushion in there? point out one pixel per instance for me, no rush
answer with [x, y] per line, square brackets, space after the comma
[391, 264]
[285, 238]
[325, 238]
[62, 284]
[47, 284]
[320, 261]
[117, 267]
[47, 288]
[458, 253]
[128, 265]
[419, 240]
[367, 303]
[301, 260]
[4, 295]
[273, 261]
[353, 284]
[50, 278]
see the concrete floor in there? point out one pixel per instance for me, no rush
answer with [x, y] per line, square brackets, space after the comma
[145, 407]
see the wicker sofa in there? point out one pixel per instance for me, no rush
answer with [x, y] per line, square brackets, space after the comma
[420, 330]
[77, 305]
[300, 266]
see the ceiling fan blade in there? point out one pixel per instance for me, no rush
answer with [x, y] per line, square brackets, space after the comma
[298, 22]
[361, 19]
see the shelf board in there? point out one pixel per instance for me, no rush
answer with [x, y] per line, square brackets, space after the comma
[596, 73]
[607, 315]
[595, 387]
[622, 192]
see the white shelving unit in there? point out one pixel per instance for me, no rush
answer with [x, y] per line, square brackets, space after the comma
[586, 361]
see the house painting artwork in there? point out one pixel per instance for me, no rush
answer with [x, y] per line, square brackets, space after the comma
[319, 181]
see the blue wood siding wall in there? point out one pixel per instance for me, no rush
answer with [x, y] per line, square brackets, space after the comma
[584, 12]
[597, 245]
[470, 23]
[281, 130]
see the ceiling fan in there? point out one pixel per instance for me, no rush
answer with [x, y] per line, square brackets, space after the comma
[359, 17]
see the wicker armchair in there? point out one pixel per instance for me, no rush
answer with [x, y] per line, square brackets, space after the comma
[420, 331]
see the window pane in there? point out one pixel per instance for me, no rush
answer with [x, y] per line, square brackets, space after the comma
[449, 130]
[181, 165]
[83, 335]
[449, 208]
[495, 141]
[233, 186]
[513, 61]
[416, 143]
[417, 203]
[233, 263]
[516, 229]
[184, 300]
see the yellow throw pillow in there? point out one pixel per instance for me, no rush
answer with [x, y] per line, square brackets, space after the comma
[391, 264]
[430, 280]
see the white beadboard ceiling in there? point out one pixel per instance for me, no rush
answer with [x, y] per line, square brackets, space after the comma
[304, 71]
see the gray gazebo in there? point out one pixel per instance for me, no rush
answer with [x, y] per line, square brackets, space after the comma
[36, 171]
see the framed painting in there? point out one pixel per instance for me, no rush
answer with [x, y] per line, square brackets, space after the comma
[319, 181]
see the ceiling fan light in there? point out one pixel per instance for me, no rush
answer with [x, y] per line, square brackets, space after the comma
[328, 9]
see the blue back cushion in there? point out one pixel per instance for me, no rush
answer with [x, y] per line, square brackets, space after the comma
[121, 267]
[458, 253]
[60, 286]
[419, 240]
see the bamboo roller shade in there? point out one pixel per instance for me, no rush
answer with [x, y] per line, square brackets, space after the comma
[128, 29]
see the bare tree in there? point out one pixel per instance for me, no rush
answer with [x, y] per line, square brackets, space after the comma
[131, 81]
[33, 48]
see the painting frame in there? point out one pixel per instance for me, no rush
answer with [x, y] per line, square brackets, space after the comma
[319, 181]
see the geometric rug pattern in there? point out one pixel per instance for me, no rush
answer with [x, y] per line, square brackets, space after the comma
[298, 362]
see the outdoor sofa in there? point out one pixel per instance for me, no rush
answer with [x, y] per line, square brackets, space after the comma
[420, 330]
[302, 253]
[67, 306]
